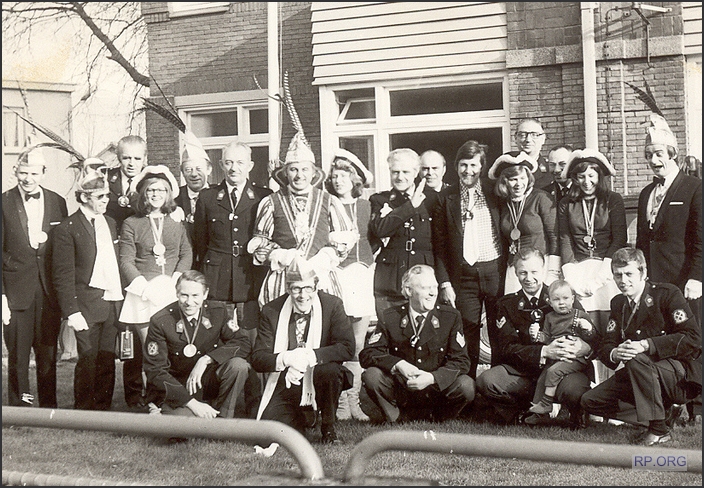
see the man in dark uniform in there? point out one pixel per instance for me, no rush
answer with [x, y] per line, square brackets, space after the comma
[223, 225]
[416, 358]
[517, 360]
[195, 355]
[303, 339]
[557, 159]
[653, 332]
[530, 138]
[132, 155]
[403, 215]
[32, 318]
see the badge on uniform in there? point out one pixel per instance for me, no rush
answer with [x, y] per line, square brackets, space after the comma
[206, 322]
[374, 338]
[232, 324]
[521, 305]
[179, 327]
[679, 316]
[500, 323]
[385, 210]
[114, 178]
[611, 326]
[221, 195]
[152, 348]
[250, 194]
[649, 300]
[460, 339]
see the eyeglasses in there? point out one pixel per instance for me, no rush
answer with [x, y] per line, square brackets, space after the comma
[299, 289]
[100, 197]
[533, 135]
[156, 190]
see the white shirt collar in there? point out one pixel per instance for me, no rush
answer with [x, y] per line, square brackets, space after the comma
[89, 214]
[194, 194]
[537, 295]
[671, 177]
[124, 182]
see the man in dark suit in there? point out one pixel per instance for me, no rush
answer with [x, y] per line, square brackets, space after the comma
[304, 337]
[416, 358]
[529, 138]
[467, 247]
[433, 167]
[223, 225]
[670, 218]
[132, 155]
[87, 281]
[557, 159]
[29, 215]
[196, 356]
[517, 360]
[403, 215]
[653, 332]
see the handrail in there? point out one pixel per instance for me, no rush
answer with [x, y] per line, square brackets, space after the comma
[244, 430]
[506, 447]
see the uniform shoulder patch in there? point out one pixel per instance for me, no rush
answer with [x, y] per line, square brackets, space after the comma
[611, 326]
[152, 348]
[374, 338]
[500, 323]
[679, 316]
[460, 339]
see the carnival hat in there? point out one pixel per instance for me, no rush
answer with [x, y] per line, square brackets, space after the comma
[362, 171]
[508, 160]
[157, 171]
[587, 155]
[299, 270]
[659, 132]
[92, 177]
[193, 149]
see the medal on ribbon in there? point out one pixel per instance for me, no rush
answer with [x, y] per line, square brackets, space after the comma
[123, 201]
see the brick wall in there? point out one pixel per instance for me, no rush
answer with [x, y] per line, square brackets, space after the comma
[221, 52]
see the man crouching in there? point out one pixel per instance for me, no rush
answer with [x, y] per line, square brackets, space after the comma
[417, 357]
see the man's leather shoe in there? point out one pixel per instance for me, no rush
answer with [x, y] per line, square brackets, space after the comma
[673, 414]
[651, 439]
[329, 436]
[537, 419]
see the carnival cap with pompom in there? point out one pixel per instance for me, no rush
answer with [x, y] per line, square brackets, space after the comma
[299, 270]
[157, 171]
[590, 156]
[508, 160]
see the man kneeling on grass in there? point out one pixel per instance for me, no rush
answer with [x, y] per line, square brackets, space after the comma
[417, 356]
[195, 357]
[653, 332]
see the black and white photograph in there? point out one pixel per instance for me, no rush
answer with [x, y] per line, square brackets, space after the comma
[352, 243]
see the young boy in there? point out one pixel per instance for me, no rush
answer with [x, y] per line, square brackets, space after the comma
[564, 320]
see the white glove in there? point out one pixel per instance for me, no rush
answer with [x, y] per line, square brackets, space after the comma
[325, 260]
[77, 322]
[293, 377]
[692, 290]
[6, 314]
[300, 358]
[178, 215]
[281, 258]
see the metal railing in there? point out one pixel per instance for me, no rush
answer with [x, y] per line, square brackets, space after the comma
[505, 447]
[243, 430]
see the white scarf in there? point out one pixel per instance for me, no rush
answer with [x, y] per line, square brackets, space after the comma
[106, 273]
[315, 333]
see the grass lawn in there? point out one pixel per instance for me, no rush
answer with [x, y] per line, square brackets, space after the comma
[216, 463]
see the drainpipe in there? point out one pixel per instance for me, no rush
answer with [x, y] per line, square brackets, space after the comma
[273, 82]
[591, 126]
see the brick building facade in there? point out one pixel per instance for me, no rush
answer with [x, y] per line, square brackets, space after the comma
[342, 57]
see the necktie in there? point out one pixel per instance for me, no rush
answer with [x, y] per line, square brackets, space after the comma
[416, 333]
[658, 195]
[534, 302]
[469, 243]
[29, 196]
[301, 320]
[419, 321]
[193, 322]
[129, 186]
[234, 198]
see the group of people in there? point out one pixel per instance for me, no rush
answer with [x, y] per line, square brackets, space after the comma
[247, 302]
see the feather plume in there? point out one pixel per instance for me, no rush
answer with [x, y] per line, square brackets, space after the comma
[170, 117]
[288, 101]
[647, 98]
[173, 109]
[51, 135]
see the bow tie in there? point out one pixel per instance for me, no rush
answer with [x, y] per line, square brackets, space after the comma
[29, 196]
[298, 315]
[659, 180]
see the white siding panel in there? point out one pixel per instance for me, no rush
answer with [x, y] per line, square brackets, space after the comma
[692, 15]
[360, 41]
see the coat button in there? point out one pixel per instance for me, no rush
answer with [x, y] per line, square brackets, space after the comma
[235, 229]
[419, 361]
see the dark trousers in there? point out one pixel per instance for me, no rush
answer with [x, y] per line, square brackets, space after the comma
[284, 406]
[132, 380]
[94, 376]
[480, 286]
[511, 393]
[390, 394]
[652, 386]
[36, 327]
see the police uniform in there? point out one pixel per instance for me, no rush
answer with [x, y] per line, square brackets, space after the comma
[670, 371]
[220, 241]
[121, 204]
[440, 349]
[408, 230]
[168, 365]
[515, 358]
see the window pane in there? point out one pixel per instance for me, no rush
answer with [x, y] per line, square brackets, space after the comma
[214, 124]
[356, 104]
[218, 174]
[448, 142]
[260, 174]
[363, 148]
[259, 121]
[11, 130]
[470, 98]
[361, 110]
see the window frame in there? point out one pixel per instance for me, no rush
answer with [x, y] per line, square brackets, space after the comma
[21, 129]
[186, 9]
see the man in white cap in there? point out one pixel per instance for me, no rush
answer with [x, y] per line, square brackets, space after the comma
[31, 316]
[299, 220]
[303, 338]
[87, 281]
[132, 155]
[670, 217]
[195, 168]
